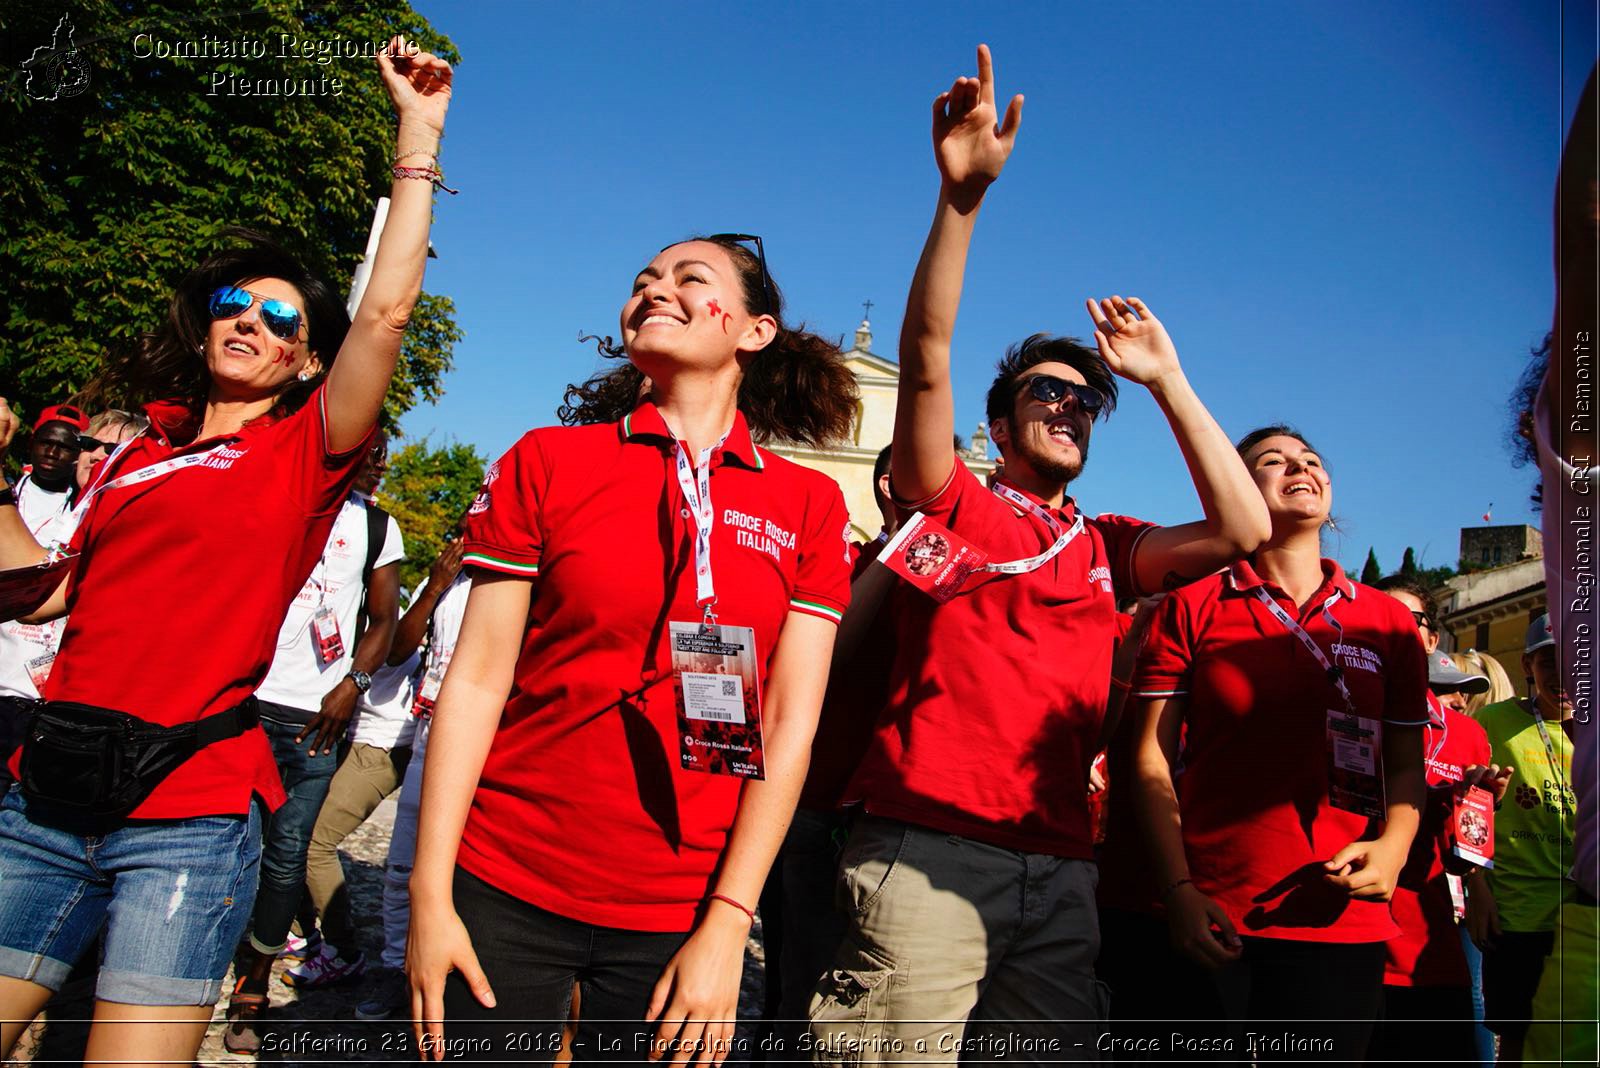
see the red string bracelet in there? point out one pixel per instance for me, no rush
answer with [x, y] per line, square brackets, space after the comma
[427, 174]
[726, 900]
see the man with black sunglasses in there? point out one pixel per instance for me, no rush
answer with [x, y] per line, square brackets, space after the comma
[971, 874]
[45, 496]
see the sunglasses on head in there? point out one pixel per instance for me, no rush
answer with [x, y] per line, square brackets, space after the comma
[761, 258]
[1050, 389]
[281, 317]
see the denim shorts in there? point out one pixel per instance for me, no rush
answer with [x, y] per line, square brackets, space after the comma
[172, 896]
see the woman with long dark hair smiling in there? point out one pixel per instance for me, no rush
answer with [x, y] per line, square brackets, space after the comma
[1294, 699]
[145, 774]
[625, 726]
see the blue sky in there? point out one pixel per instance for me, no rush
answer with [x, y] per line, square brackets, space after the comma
[1341, 211]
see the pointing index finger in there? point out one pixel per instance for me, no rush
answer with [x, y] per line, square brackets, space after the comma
[985, 74]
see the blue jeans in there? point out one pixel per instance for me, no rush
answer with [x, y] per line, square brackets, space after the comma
[288, 835]
[172, 896]
[1482, 1037]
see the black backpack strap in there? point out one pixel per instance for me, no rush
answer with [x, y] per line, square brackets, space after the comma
[377, 534]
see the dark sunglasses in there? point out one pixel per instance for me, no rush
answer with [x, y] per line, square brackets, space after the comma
[767, 300]
[88, 444]
[1050, 389]
[282, 318]
[1422, 619]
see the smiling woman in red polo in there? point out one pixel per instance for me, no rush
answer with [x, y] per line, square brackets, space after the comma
[196, 535]
[623, 733]
[1298, 697]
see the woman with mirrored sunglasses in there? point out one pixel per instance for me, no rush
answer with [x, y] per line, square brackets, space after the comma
[577, 824]
[194, 541]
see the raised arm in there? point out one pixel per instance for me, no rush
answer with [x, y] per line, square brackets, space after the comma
[413, 625]
[17, 545]
[1136, 346]
[970, 150]
[419, 86]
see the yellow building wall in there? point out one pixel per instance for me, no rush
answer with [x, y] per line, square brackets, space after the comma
[1506, 637]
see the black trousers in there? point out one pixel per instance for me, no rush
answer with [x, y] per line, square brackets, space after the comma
[1293, 1001]
[1430, 1024]
[532, 958]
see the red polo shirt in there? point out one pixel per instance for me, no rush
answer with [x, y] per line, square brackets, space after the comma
[997, 696]
[184, 581]
[583, 808]
[1257, 825]
[1428, 950]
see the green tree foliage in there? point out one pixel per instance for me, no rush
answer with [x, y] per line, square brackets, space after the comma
[1370, 572]
[1408, 563]
[427, 490]
[112, 194]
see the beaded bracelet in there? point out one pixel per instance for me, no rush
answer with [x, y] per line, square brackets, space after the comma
[430, 153]
[429, 174]
[726, 900]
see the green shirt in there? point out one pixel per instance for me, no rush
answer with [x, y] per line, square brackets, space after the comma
[1533, 827]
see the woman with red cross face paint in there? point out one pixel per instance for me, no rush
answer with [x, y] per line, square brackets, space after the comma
[265, 396]
[622, 735]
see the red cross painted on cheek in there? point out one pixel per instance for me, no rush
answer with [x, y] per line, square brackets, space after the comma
[715, 309]
[282, 355]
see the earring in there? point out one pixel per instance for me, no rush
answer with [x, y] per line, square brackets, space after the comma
[304, 376]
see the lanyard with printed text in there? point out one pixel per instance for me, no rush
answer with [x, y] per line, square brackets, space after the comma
[1335, 676]
[1549, 750]
[153, 471]
[1443, 731]
[1064, 535]
[695, 482]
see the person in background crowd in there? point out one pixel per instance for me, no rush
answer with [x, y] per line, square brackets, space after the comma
[45, 496]
[1428, 975]
[970, 878]
[584, 690]
[106, 431]
[1279, 881]
[1564, 439]
[1513, 909]
[1500, 688]
[337, 632]
[800, 924]
[270, 399]
[409, 685]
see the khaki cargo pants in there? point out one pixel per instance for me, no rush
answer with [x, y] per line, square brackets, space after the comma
[958, 950]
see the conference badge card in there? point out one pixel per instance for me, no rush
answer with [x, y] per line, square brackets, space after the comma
[932, 557]
[719, 699]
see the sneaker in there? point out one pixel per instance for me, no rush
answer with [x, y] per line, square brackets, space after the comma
[324, 968]
[299, 947]
[243, 1033]
[388, 995]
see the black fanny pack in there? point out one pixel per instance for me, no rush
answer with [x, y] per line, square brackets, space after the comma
[97, 764]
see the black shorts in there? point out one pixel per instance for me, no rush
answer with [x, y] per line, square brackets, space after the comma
[1511, 970]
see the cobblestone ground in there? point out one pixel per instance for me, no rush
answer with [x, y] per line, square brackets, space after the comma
[320, 1025]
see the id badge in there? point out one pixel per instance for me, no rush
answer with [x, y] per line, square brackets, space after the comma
[1355, 764]
[325, 631]
[1472, 827]
[932, 557]
[719, 699]
[428, 691]
[39, 669]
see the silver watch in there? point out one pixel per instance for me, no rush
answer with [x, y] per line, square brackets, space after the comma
[362, 680]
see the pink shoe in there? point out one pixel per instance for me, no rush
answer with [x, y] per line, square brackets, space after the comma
[324, 968]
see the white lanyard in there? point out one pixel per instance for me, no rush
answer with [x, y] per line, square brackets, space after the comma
[696, 486]
[1335, 676]
[1444, 732]
[154, 471]
[1064, 536]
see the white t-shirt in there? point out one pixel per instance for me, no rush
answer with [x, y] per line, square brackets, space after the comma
[1570, 499]
[386, 718]
[27, 649]
[298, 677]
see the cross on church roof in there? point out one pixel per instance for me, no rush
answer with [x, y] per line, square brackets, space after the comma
[866, 309]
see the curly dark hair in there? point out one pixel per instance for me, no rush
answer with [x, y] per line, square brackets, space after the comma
[797, 389]
[168, 364]
[1001, 402]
